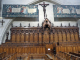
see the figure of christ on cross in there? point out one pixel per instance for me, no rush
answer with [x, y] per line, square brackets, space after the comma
[44, 7]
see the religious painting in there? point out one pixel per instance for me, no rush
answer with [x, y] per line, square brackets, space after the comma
[59, 10]
[66, 10]
[20, 11]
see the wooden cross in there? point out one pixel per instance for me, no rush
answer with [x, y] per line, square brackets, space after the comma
[44, 7]
[2, 22]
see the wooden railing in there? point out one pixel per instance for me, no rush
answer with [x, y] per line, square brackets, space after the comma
[39, 56]
[67, 56]
[48, 57]
[69, 48]
[58, 57]
[11, 57]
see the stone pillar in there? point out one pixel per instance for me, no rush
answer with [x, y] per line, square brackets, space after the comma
[79, 26]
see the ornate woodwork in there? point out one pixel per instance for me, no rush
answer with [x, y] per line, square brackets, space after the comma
[37, 40]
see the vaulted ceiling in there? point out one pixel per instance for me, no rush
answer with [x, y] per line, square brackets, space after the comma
[51, 1]
[56, 2]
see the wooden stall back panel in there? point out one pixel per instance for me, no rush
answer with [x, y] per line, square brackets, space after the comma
[36, 37]
[17, 50]
[44, 50]
[37, 50]
[1, 49]
[64, 37]
[69, 48]
[68, 37]
[55, 37]
[78, 48]
[65, 49]
[22, 37]
[60, 37]
[7, 50]
[40, 37]
[44, 38]
[13, 37]
[76, 36]
[18, 37]
[32, 50]
[72, 37]
[23, 51]
[27, 37]
[11, 50]
[47, 39]
[73, 49]
[31, 37]
[49, 46]
[29, 50]
[51, 38]
[4, 49]
[14, 49]
[62, 48]
[41, 48]
[57, 49]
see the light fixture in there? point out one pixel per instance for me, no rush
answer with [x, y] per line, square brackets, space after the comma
[48, 48]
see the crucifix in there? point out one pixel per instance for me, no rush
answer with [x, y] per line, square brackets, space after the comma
[2, 22]
[44, 7]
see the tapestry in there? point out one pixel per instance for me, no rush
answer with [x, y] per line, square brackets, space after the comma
[20, 11]
[66, 10]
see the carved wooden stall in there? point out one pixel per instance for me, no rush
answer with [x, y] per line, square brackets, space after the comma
[42, 40]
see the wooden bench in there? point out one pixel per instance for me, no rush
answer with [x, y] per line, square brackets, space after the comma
[2, 55]
[11, 57]
[49, 56]
[69, 56]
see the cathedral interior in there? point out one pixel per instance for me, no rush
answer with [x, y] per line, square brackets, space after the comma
[39, 30]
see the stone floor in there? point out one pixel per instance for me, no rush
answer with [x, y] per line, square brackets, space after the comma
[37, 59]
